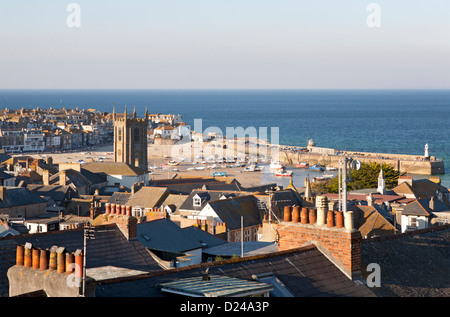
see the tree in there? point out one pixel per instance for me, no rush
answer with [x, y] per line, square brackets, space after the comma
[365, 177]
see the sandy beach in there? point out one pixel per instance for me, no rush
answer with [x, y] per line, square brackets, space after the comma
[158, 155]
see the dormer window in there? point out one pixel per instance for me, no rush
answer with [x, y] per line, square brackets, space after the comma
[197, 201]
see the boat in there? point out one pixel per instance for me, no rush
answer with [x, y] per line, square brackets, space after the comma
[276, 165]
[284, 174]
[324, 177]
[316, 168]
[173, 163]
[331, 168]
[219, 174]
[302, 165]
[200, 168]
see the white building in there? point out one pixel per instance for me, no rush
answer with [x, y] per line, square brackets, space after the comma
[33, 141]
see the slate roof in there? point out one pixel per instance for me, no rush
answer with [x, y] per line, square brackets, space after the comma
[148, 197]
[421, 207]
[18, 196]
[304, 272]
[185, 186]
[119, 198]
[207, 196]
[165, 235]
[110, 247]
[230, 211]
[114, 168]
[56, 192]
[175, 201]
[413, 264]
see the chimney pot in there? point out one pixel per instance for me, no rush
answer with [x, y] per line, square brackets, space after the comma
[61, 260]
[107, 208]
[27, 255]
[78, 264]
[339, 219]
[124, 210]
[43, 261]
[322, 208]
[70, 260]
[287, 213]
[296, 214]
[128, 208]
[52, 262]
[35, 258]
[20, 255]
[348, 219]
[330, 218]
[312, 215]
[305, 219]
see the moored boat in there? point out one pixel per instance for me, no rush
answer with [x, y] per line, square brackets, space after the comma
[302, 165]
[316, 168]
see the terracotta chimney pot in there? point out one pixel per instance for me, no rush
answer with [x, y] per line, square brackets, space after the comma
[287, 213]
[330, 218]
[339, 219]
[305, 215]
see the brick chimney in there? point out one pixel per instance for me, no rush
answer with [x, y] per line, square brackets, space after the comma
[334, 237]
[126, 224]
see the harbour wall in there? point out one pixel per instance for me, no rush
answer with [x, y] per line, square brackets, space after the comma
[402, 163]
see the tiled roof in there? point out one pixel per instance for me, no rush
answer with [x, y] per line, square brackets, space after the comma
[371, 223]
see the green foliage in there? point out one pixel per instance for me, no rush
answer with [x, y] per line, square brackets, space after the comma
[365, 177]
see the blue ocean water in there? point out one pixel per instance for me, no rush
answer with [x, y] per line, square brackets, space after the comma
[386, 121]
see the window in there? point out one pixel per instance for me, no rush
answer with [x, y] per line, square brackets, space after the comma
[412, 221]
[136, 134]
[197, 201]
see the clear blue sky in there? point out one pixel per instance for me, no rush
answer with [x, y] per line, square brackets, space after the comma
[244, 44]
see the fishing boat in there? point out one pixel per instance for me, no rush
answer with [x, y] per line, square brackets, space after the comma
[316, 168]
[284, 173]
[302, 165]
[219, 174]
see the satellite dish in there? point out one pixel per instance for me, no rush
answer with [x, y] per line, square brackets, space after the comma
[356, 165]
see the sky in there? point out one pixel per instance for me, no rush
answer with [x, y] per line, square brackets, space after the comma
[225, 44]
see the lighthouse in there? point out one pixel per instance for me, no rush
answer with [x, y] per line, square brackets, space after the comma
[427, 155]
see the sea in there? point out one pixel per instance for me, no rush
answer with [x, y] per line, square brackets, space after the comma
[382, 121]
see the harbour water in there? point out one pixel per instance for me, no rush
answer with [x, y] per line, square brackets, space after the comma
[383, 121]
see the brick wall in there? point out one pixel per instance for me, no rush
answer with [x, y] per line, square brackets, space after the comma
[341, 245]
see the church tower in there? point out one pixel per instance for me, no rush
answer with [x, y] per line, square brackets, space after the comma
[381, 183]
[130, 139]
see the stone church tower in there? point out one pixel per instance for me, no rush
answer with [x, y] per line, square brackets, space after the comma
[130, 139]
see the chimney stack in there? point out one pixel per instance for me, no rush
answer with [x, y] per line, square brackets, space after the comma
[45, 177]
[431, 205]
[62, 178]
[332, 232]
[2, 193]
